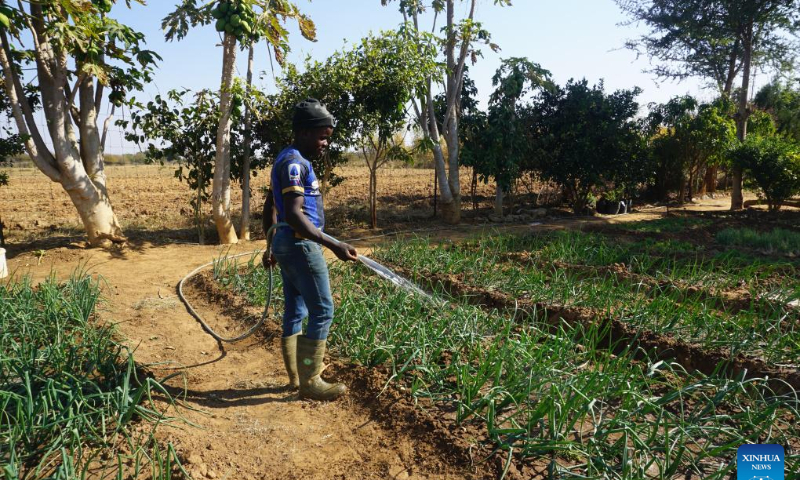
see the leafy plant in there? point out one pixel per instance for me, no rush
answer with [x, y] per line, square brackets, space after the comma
[773, 166]
[588, 138]
[544, 391]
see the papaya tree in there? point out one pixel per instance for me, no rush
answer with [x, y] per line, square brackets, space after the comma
[81, 56]
[241, 23]
[460, 37]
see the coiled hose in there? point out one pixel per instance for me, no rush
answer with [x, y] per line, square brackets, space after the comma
[255, 327]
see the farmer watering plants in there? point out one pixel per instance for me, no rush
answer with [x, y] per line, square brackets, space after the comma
[296, 247]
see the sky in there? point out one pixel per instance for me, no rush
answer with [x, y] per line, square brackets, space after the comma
[570, 38]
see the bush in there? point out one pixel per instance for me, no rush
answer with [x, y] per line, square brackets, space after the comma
[589, 138]
[772, 165]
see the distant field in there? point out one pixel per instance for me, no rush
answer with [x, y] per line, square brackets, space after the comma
[148, 199]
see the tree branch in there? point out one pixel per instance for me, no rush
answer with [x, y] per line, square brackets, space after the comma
[23, 115]
[106, 123]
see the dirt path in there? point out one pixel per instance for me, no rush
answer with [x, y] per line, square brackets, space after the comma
[248, 425]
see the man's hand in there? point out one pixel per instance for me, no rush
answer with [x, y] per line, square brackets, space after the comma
[268, 261]
[344, 251]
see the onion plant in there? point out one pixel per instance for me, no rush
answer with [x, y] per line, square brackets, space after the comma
[562, 396]
[565, 270]
[68, 390]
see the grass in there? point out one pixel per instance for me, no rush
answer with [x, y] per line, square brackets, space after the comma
[776, 241]
[70, 394]
[664, 225]
[563, 398]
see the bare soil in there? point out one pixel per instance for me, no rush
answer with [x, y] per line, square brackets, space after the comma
[154, 206]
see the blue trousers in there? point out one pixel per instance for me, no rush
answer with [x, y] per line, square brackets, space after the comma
[306, 285]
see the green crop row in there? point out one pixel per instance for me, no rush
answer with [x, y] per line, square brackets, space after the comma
[541, 395]
[664, 225]
[769, 328]
[69, 391]
[775, 241]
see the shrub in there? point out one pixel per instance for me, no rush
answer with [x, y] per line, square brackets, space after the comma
[772, 165]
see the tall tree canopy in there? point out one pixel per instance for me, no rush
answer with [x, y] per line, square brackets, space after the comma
[718, 40]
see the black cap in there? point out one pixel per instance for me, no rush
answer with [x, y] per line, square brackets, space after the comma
[311, 114]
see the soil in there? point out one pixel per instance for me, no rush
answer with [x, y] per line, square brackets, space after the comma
[154, 206]
[243, 423]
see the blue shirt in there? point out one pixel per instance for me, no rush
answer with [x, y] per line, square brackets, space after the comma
[293, 173]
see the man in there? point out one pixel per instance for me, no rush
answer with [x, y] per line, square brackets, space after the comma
[296, 248]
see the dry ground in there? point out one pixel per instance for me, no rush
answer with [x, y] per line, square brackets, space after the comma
[152, 205]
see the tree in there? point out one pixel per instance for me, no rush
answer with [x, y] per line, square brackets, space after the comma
[80, 54]
[693, 139]
[385, 71]
[458, 44]
[244, 225]
[173, 129]
[782, 102]
[366, 89]
[773, 164]
[587, 137]
[240, 22]
[501, 146]
[703, 35]
[328, 82]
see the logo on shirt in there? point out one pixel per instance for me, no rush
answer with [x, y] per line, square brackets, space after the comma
[294, 172]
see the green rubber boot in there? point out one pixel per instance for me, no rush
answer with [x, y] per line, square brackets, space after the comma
[309, 366]
[289, 351]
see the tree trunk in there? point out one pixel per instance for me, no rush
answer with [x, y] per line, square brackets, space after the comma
[732, 71]
[221, 186]
[79, 169]
[737, 197]
[244, 229]
[373, 196]
[198, 210]
[498, 200]
[435, 188]
[474, 190]
[452, 213]
[711, 178]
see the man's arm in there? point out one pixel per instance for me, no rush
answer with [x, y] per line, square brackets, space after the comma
[293, 204]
